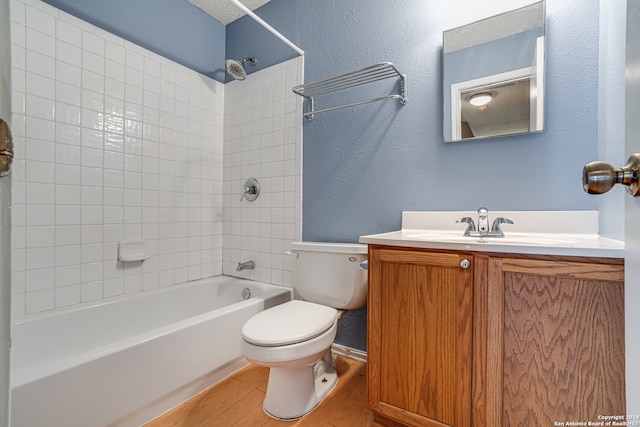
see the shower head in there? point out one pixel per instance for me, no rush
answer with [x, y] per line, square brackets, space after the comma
[235, 67]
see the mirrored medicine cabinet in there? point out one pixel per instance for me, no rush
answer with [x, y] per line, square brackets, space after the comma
[493, 76]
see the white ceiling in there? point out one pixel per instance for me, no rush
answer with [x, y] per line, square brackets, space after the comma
[224, 10]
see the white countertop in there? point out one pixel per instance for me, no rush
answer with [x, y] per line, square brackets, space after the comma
[567, 233]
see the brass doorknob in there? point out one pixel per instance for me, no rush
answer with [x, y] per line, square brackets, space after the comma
[600, 177]
[6, 148]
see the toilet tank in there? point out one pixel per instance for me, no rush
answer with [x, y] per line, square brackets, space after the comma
[330, 273]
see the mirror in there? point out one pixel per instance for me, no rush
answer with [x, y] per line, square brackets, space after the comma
[493, 76]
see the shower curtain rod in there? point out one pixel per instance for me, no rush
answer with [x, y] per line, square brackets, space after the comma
[268, 27]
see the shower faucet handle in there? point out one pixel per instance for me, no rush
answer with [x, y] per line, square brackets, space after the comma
[250, 190]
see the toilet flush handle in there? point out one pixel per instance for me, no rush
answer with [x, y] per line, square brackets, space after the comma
[292, 254]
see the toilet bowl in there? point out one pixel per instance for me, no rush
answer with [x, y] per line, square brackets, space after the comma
[297, 380]
[294, 339]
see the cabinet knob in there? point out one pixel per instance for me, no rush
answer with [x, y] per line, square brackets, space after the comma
[465, 263]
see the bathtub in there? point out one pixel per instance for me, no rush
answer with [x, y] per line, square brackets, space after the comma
[125, 361]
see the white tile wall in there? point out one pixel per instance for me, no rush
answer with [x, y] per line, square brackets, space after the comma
[263, 140]
[115, 142]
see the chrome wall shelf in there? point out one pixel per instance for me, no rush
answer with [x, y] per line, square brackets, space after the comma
[370, 74]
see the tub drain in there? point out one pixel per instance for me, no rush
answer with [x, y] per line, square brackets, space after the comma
[246, 293]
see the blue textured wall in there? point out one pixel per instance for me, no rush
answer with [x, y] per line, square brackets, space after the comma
[363, 166]
[175, 29]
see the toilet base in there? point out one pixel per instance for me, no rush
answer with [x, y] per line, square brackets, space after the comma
[293, 393]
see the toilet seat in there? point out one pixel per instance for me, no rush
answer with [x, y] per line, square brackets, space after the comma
[289, 323]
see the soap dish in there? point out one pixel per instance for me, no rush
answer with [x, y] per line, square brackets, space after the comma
[132, 251]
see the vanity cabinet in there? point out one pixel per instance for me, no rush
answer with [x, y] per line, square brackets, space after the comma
[512, 340]
[420, 337]
[555, 341]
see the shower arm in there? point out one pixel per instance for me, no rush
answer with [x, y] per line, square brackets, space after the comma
[268, 27]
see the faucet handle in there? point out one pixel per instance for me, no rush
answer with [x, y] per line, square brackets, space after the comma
[495, 228]
[251, 190]
[500, 220]
[471, 226]
[468, 220]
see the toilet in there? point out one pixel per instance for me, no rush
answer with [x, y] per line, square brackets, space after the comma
[294, 339]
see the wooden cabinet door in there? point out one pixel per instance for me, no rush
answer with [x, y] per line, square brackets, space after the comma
[556, 342]
[420, 337]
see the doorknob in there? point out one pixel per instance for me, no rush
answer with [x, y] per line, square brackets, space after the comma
[600, 177]
[6, 148]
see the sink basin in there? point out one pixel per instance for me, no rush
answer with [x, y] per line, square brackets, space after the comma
[564, 233]
[509, 239]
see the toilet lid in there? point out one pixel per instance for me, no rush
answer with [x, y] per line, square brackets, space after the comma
[289, 323]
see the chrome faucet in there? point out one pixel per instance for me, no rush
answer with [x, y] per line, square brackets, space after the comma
[483, 220]
[247, 265]
[483, 225]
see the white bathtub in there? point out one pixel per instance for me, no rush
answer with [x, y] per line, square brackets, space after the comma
[126, 361]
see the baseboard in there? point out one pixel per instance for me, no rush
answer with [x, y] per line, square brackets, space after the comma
[349, 352]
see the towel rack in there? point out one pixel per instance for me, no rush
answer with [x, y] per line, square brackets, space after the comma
[370, 74]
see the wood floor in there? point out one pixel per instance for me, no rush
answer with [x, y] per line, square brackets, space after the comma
[237, 401]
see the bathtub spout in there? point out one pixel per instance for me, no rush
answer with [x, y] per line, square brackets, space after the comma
[248, 265]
